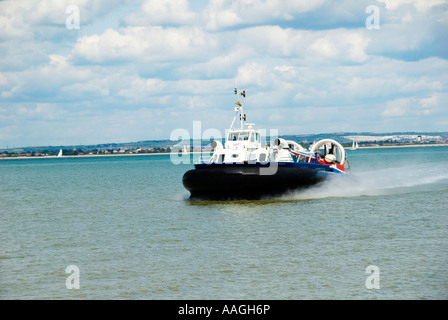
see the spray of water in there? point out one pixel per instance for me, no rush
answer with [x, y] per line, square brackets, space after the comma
[388, 181]
[397, 179]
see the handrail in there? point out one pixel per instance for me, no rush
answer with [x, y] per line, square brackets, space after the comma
[348, 169]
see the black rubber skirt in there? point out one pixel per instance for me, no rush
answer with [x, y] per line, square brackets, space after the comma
[251, 181]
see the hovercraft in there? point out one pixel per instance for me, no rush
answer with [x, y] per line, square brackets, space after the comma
[244, 168]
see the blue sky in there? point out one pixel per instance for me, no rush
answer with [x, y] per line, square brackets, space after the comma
[139, 69]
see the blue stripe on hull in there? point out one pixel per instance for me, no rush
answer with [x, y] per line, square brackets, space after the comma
[302, 165]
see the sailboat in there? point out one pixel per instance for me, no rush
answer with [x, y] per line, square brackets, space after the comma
[60, 153]
[355, 144]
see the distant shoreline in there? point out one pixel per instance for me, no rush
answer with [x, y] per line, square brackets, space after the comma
[405, 146]
[88, 155]
[168, 153]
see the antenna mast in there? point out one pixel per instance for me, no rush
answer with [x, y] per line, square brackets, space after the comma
[239, 108]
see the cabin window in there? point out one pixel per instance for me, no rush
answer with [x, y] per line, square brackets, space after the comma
[233, 137]
[234, 156]
[252, 137]
[243, 137]
[262, 157]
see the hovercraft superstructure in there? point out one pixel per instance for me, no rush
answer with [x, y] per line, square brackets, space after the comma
[245, 168]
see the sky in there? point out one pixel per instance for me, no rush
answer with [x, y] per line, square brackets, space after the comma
[76, 72]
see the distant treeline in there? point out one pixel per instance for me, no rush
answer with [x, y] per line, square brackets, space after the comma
[158, 146]
[76, 152]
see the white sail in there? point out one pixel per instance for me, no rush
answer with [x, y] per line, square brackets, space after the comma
[60, 153]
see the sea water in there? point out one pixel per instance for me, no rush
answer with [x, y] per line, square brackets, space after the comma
[123, 228]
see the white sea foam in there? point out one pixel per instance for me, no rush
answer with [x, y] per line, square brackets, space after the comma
[181, 196]
[373, 183]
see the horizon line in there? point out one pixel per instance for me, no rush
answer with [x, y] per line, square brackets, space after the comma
[164, 140]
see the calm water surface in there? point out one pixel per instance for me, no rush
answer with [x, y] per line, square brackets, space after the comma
[128, 226]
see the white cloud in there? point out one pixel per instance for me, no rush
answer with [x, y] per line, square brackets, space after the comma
[328, 46]
[161, 12]
[109, 47]
[411, 29]
[11, 22]
[139, 87]
[44, 81]
[420, 5]
[428, 103]
[27, 18]
[339, 45]
[397, 108]
[324, 47]
[251, 74]
[40, 111]
[415, 107]
[151, 43]
[224, 65]
[222, 14]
